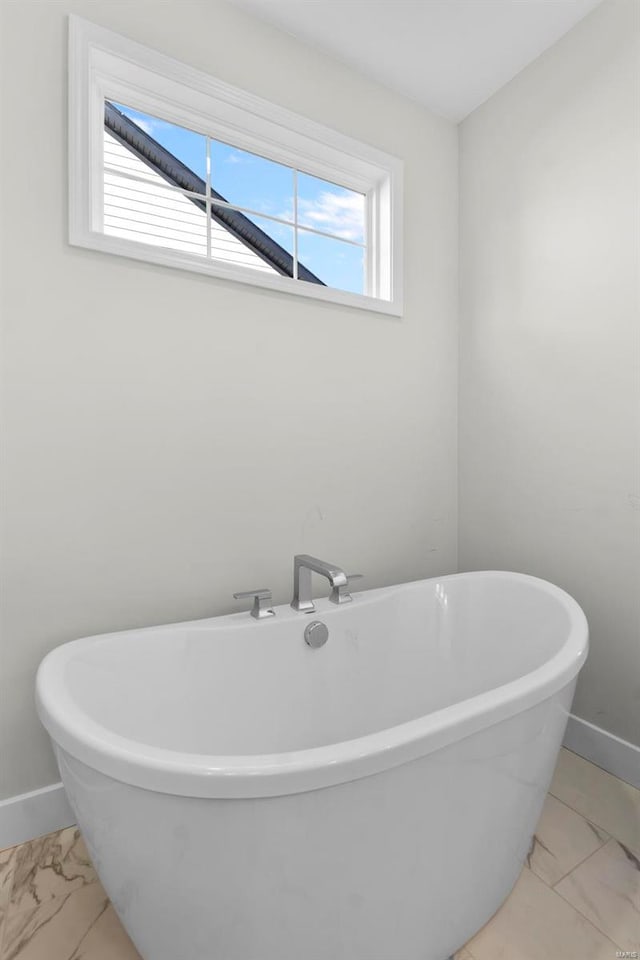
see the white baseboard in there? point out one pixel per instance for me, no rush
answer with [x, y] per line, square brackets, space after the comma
[614, 755]
[34, 814]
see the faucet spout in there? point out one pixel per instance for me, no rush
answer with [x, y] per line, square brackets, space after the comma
[303, 566]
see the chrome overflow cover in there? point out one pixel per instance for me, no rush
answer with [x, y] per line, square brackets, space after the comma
[316, 634]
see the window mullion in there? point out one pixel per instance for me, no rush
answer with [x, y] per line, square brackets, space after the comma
[295, 224]
[366, 231]
[208, 198]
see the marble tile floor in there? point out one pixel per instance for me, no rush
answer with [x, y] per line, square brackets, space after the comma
[578, 897]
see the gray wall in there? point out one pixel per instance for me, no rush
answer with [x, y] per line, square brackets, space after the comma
[170, 438]
[550, 352]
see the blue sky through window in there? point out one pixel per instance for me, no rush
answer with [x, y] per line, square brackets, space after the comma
[251, 181]
[338, 264]
[255, 183]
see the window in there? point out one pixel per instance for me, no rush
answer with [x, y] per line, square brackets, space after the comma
[171, 166]
[174, 188]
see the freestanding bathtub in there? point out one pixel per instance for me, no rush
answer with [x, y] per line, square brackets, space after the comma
[246, 797]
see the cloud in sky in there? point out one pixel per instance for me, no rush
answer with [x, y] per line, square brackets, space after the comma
[145, 124]
[341, 214]
[148, 124]
[233, 157]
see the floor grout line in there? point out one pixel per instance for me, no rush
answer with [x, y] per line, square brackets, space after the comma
[573, 810]
[580, 862]
[575, 910]
[584, 860]
[615, 943]
[592, 820]
[582, 817]
[580, 913]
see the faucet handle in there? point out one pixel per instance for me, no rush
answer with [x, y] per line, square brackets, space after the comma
[341, 594]
[261, 602]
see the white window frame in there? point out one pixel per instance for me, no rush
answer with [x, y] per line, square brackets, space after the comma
[107, 66]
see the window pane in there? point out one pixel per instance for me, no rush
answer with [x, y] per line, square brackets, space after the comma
[282, 234]
[186, 146]
[251, 181]
[337, 264]
[251, 242]
[330, 208]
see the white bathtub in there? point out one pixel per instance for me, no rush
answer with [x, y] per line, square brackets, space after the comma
[246, 797]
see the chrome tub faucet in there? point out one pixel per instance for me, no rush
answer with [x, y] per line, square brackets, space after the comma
[303, 567]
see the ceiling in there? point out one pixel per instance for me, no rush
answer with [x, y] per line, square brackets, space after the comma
[449, 55]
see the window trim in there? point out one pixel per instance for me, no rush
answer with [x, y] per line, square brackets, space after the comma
[104, 65]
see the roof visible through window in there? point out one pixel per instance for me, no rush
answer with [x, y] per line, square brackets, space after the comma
[161, 181]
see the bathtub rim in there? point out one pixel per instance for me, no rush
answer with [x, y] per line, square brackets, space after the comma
[276, 774]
